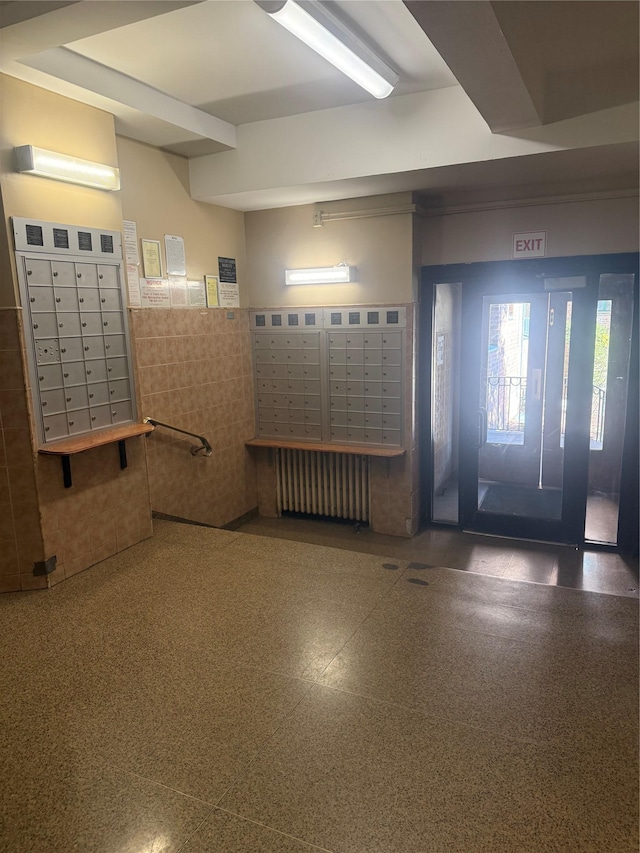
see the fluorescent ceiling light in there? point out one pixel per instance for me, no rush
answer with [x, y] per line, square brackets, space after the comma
[322, 31]
[340, 274]
[61, 167]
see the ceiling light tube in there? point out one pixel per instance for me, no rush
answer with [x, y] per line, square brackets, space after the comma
[340, 274]
[322, 31]
[62, 167]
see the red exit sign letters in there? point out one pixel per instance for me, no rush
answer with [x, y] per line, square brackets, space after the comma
[529, 244]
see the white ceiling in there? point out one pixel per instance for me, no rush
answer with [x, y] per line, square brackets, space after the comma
[542, 91]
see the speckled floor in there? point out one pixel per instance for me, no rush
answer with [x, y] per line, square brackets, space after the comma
[537, 562]
[210, 690]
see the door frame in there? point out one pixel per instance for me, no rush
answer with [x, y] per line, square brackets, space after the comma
[490, 274]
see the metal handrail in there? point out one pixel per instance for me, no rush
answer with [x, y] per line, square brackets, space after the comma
[195, 449]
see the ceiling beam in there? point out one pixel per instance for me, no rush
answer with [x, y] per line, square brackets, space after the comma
[92, 76]
[467, 35]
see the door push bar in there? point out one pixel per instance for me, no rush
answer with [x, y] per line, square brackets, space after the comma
[195, 448]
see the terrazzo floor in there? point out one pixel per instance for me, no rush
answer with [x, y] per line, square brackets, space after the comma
[210, 690]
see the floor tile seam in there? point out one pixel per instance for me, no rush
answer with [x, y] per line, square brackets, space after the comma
[262, 748]
[439, 719]
[351, 636]
[270, 828]
[196, 830]
[157, 784]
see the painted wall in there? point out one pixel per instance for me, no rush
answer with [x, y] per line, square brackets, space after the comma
[155, 194]
[589, 227]
[33, 116]
[380, 247]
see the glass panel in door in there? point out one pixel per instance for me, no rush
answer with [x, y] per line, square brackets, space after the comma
[519, 385]
[445, 401]
[608, 413]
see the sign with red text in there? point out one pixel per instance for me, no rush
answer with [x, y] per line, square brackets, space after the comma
[529, 244]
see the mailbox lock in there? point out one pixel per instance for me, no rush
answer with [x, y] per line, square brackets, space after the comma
[33, 299]
[55, 275]
[66, 375]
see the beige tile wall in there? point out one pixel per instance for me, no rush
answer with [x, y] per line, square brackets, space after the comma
[20, 532]
[194, 372]
[105, 511]
[395, 483]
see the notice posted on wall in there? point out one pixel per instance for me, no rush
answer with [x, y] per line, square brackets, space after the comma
[154, 293]
[211, 282]
[196, 294]
[228, 295]
[174, 253]
[130, 235]
[178, 291]
[133, 286]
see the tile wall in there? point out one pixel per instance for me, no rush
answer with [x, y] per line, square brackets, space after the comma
[20, 532]
[194, 372]
[395, 483]
[105, 511]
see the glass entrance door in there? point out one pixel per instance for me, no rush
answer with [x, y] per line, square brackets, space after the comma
[533, 406]
[513, 479]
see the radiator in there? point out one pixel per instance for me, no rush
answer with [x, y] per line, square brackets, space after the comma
[333, 484]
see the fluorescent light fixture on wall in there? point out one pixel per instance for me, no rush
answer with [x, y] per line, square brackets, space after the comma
[314, 24]
[340, 274]
[62, 167]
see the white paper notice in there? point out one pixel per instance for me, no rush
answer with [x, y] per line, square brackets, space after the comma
[133, 282]
[197, 294]
[130, 234]
[228, 295]
[178, 288]
[174, 250]
[154, 293]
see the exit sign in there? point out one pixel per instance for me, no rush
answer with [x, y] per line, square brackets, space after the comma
[529, 244]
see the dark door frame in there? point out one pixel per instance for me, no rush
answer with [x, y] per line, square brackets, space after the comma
[490, 273]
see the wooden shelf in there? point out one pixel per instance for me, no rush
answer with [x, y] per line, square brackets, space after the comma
[67, 447]
[355, 449]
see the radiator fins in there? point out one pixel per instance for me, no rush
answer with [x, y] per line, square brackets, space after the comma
[329, 484]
